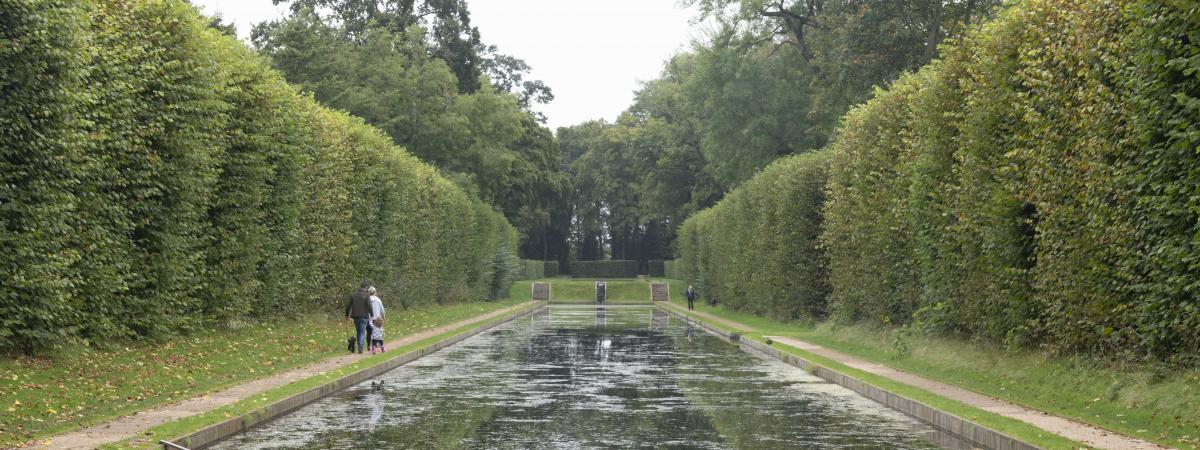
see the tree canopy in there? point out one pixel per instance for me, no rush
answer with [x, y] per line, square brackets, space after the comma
[770, 79]
[419, 71]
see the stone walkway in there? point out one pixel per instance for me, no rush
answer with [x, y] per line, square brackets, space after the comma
[131, 426]
[724, 323]
[1092, 436]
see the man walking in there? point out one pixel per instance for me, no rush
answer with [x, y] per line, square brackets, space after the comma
[358, 307]
[691, 296]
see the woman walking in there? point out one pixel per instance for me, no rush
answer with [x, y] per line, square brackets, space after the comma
[376, 321]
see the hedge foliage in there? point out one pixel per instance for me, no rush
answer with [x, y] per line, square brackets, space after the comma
[655, 268]
[532, 269]
[550, 269]
[757, 249]
[612, 268]
[1037, 186]
[157, 177]
[671, 270]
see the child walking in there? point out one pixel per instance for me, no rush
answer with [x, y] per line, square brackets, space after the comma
[376, 322]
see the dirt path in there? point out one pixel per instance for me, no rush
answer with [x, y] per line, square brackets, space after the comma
[131, 426]
[725, 323]
[1091, 435]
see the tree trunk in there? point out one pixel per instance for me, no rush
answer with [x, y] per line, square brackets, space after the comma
[934, 38]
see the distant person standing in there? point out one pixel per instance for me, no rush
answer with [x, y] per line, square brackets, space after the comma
[691, 296]
[358, 307]
[376, 321]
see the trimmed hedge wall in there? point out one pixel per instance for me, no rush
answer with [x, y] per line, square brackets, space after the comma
[756, 250]
[1037, 186]
[532, 269]
[157, 177]
[671, 270]
[1032, 184]
[655, 268]
[615, 268]
[550, 270]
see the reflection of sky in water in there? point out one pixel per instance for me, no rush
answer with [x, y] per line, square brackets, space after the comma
[581, 378]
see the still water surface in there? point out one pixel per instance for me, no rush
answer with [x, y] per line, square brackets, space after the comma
[579, 378]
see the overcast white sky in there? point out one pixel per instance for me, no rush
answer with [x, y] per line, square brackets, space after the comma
[592, 53]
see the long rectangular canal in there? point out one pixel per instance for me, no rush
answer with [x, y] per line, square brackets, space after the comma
[581, 378]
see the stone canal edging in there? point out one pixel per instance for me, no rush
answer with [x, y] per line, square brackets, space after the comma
[950, 423]
[214, 433]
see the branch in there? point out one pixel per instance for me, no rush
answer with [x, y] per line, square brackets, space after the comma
[795, 23]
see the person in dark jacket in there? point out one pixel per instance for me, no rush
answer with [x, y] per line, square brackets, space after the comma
[358, 307]
[691, 296]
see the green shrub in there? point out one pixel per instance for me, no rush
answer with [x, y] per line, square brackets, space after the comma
[1158, 265]
[504, 264]
[42, 69]
[866, 236]
[757, 250]
[924, 210]
[532, 269]
[671, 270]
[655, 268]
[940, 204]
[614, 268]
[550, 269]
[158, 177]
[1036, 186]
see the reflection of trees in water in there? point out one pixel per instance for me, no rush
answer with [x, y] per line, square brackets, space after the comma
[562, 353]
[659, 320]
[432, 418]
[616, 395]
[753, 409]
[539, 385]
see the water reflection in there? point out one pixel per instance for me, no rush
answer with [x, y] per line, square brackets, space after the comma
[594, 378]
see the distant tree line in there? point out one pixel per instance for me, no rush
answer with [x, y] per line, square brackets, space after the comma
[770, 79]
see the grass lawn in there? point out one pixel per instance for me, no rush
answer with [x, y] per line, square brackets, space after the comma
[620, 291]
[80, 387]
[1155, 405]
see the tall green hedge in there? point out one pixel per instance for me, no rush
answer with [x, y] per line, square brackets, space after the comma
[1028, 189]
[1036, 186]
[1158, 265]
[655, 268]
[757, 250]
[671, 270]
[39, 259]
[158, 177]
[532, 269]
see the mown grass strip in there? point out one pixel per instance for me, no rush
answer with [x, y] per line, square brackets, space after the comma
[1134, 401]
[1012, 427]
[620, 291]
